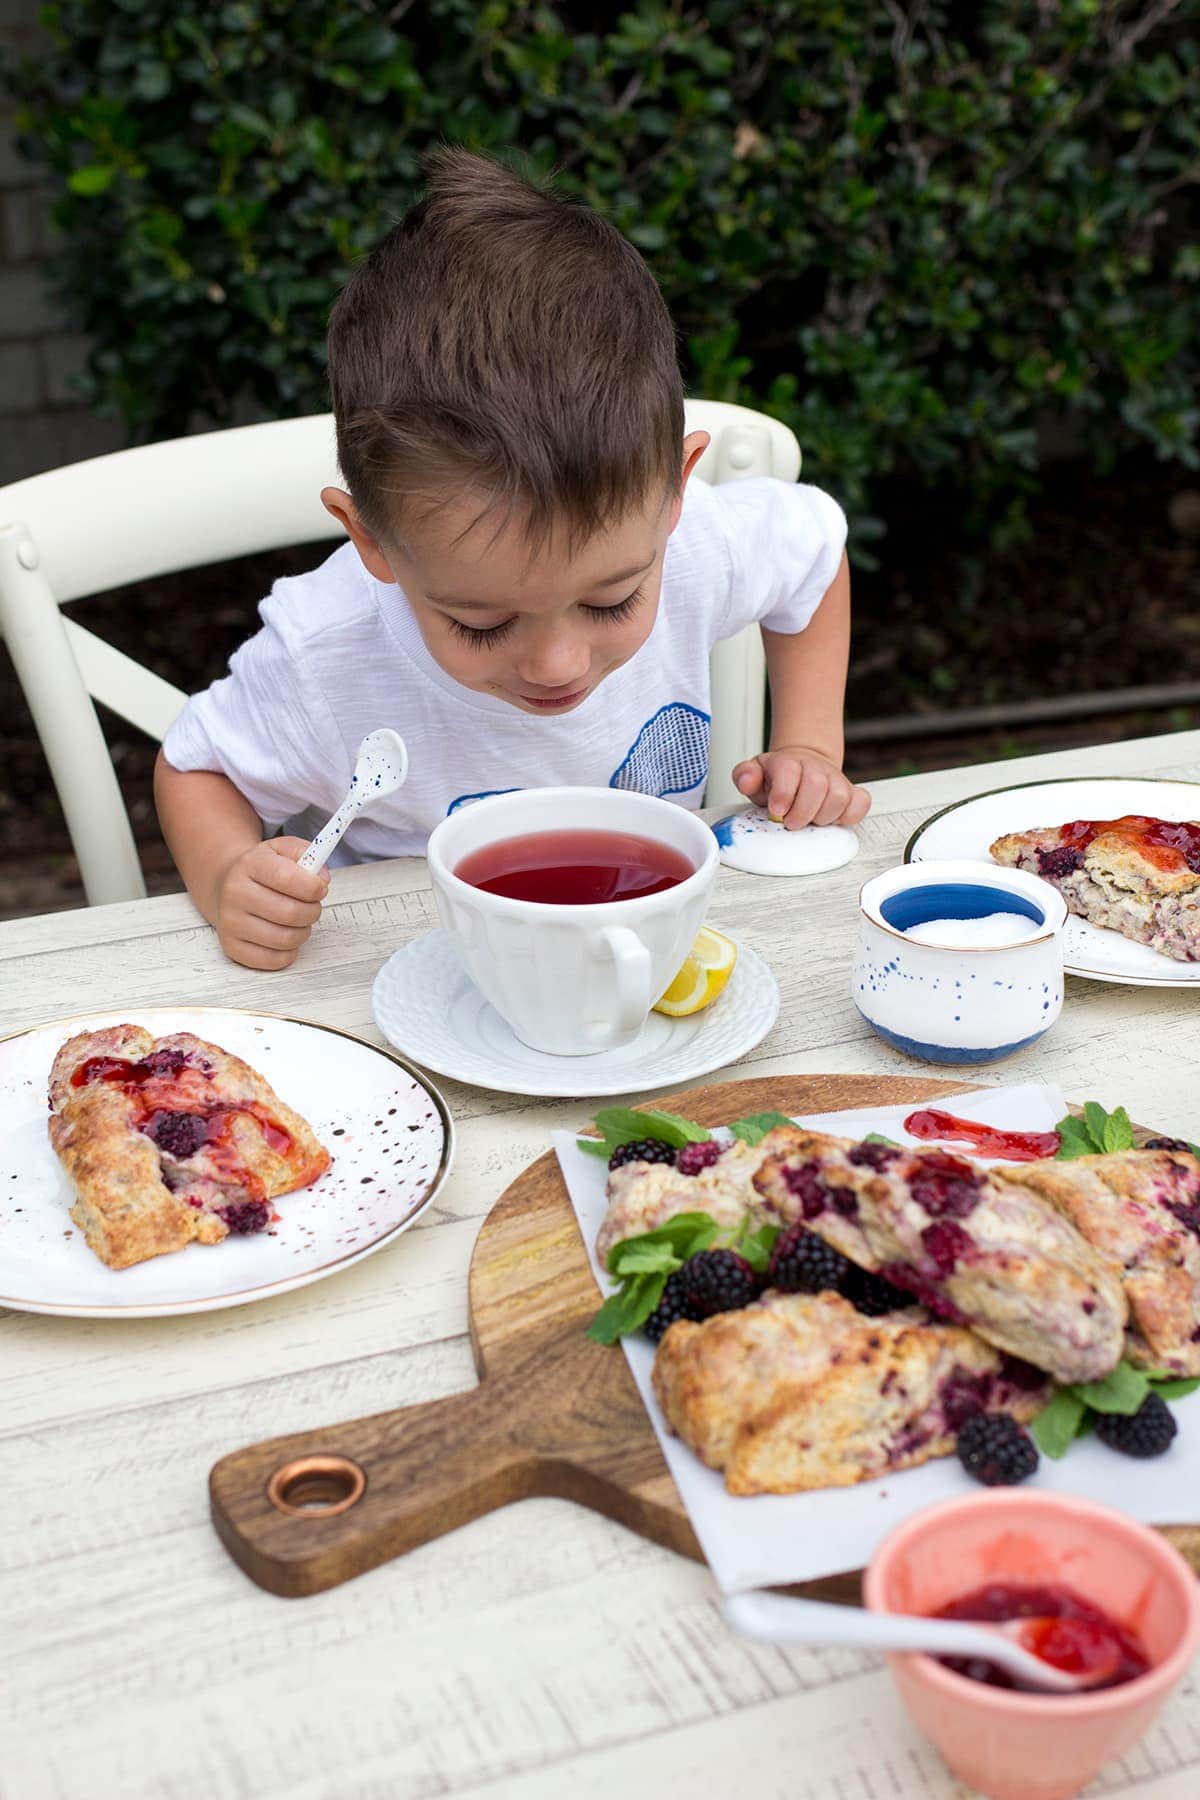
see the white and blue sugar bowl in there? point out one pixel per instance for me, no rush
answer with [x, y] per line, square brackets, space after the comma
[959, 962]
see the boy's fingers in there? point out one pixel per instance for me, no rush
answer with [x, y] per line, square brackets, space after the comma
[811, 792]
[270, 935]
[858, 807]
[748, 777]
[280, 909]
[254, 956]
[281, 875]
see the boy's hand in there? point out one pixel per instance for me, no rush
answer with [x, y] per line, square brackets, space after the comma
[266, 906]
[800, 786]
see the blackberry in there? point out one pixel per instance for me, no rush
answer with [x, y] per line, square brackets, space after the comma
[651, 1150]
[996, 1450]
[1056, 865]
[179, 1134]
[673, 1304]
[1147, 1432]
[695, 1157]
[1166, 1144]
[803, 1263]
[245, 1216]
[874, 1295]
[715, 1281]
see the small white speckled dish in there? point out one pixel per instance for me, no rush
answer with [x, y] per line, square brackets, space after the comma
[958, 1003]
[758, 845]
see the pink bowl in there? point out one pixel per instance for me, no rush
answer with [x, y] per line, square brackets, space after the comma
[1015, 1746]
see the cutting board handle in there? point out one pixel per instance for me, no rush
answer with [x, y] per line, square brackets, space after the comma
[304, 1512]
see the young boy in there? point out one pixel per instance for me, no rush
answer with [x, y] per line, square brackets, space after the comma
[532, 586]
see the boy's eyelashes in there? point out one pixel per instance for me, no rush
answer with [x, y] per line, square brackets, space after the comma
[483, 636]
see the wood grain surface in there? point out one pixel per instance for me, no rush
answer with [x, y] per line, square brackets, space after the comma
[554, 1413]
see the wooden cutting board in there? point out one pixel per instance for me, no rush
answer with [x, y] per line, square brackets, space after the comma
[554, 1413]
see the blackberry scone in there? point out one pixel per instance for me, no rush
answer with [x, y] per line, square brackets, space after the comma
[800, 1391]
[170, 1141]
[1136, 875]
[1140, 1209]
[643, 1195]
[973, 1248]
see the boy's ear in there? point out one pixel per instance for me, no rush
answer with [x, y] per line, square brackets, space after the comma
[338, 502]
[694, 446]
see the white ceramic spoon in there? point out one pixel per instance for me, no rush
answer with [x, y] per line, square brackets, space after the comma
[780, 1620]
[381, 768]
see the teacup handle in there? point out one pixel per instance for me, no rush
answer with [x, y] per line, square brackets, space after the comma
[631, 962]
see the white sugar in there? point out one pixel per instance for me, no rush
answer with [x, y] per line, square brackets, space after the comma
[993, 928]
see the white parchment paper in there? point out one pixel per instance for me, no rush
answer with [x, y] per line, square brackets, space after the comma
[771, 1539]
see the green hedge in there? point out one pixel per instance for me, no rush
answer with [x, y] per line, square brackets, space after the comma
[920, 233]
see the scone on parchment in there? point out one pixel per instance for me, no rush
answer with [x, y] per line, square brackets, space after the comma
[170, 1141]
[642, 1196]
[975, 1247]
[1140, 1209]
[801, 1391]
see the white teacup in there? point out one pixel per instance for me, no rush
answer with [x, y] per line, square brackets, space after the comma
[571, 980]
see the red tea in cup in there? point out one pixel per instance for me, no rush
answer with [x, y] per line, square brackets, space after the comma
[575, 868]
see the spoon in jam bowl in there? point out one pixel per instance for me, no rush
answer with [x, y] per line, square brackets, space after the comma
[382, 767]
[1008, 1644]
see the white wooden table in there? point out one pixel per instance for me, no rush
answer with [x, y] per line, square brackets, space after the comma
[542, 1652]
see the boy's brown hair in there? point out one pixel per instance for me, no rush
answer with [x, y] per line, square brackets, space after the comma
[507, 339]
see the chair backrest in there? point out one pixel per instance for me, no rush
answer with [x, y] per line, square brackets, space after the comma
[91, 526]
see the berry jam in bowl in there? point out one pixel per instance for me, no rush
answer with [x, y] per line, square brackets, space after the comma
[1102, 1575]
[958, 962]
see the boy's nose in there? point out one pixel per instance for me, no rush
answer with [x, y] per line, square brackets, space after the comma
[554, 660]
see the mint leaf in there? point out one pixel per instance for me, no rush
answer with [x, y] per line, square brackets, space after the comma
[624, 1125]
[1172, 1389]
[756, 1246]
[1118, 1132]
[644, 1259]
[683, 1236]
[755, 1128]
[596, 1146]
[1095, 1119]
[627, 1309]
[877, 1137]
[1055, 1428]
[1074, 1139]
[1122, 1391]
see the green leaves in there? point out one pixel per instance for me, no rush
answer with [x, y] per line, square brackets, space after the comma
[642, 1264]
[754, 1129]
[619, 1125]
[887, 280]
[1069, 1413]
[1097, 1133]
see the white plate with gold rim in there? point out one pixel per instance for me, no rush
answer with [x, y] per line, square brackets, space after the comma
[387, 1128]
[968, 827]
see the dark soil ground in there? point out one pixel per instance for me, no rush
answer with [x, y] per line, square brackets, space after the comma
[1104, 594]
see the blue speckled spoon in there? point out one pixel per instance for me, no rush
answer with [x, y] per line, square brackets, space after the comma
[381, 768]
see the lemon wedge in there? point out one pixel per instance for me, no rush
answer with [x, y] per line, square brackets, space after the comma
[702, 977]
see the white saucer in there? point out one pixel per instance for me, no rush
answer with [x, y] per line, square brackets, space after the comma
[759, 845]
[425, 1003]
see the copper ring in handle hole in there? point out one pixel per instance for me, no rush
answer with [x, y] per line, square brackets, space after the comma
[316, 1487]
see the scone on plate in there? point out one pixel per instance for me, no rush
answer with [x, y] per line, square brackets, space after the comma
[976, 1249]
[1140, 1209]
[170, 1141]
[1136, 875]
[800, 1391]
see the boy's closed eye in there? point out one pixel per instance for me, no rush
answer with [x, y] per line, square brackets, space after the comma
[484, 635]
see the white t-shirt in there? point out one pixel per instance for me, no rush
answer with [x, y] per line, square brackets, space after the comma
[339, 654]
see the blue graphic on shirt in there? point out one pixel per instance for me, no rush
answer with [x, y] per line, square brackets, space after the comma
[669, 754]
[487, 794]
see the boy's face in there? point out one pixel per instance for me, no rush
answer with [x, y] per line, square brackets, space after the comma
[539, 631]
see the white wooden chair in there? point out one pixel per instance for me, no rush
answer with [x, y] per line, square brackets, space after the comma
[81, 530]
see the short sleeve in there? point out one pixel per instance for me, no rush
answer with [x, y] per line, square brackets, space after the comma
[785, 542]
[256, 726]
